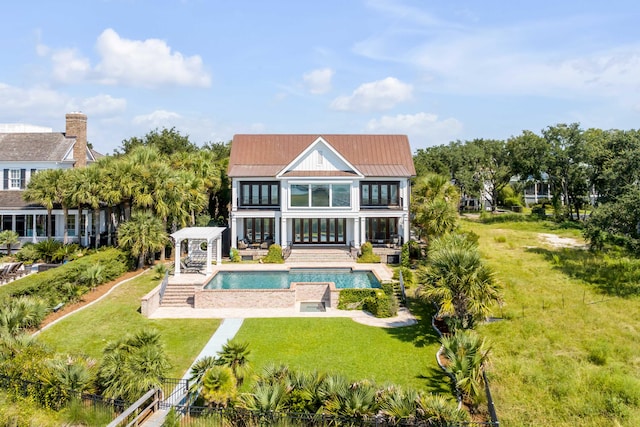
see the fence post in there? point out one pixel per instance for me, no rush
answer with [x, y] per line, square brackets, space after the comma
[490, 405]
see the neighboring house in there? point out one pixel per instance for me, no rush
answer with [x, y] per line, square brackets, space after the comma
[24, 150]
[331, 190]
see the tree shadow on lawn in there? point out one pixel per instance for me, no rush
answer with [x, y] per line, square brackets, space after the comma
[611, 276]
[421, 334]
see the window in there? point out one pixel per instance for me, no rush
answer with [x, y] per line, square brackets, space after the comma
[379, 194]
[15, 180]
[258, 230]
[321, 195]
[259, 194]
[381, 230]
[71, 225]
[7, 222]
[299, 195]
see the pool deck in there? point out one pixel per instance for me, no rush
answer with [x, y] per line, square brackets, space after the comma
[404, 317]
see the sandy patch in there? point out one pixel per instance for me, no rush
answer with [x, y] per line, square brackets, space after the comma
[561, 242]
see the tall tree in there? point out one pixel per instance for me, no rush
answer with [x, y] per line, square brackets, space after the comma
[491, 168]
[166, 141]
[42, 189]
[143, 234]
[434, 205]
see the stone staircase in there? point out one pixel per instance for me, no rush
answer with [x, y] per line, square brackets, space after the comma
[319, 255]
[178, 295]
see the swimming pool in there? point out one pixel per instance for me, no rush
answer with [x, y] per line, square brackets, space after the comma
[343, 278]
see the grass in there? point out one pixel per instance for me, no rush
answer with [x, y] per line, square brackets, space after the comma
[403, 356]
[88, 331]
[567, 352]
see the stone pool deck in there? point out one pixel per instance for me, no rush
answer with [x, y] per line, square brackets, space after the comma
[384, 273]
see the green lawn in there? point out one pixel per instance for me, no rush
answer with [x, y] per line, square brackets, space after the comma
[402, 356]
[568, 351]
[88, 331]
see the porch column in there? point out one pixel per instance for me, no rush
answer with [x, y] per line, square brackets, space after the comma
[234, 231]
[218, 250]
[209, 243]
[357, 232]
[283, 232]
[34, 238]
[177, 258]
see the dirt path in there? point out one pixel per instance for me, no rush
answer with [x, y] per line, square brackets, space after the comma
[561, 242]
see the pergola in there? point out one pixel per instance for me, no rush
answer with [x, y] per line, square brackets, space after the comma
[195, 236]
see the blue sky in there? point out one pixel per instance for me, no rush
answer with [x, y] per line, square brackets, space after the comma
[434, 70]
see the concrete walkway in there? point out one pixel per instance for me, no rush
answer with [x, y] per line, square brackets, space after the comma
[226, 331]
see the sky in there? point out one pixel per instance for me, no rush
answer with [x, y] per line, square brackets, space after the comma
[437, 71]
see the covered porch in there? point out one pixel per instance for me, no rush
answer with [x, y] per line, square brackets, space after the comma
[200, 244]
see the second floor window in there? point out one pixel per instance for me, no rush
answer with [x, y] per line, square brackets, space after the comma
[15, 179]
[321, 195]
[379, 193]
[259, 194]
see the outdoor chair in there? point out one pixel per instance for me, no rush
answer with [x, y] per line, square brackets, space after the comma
[4, 271]
[184, 268]
[15, 271]
[266, 244]
[242, 244]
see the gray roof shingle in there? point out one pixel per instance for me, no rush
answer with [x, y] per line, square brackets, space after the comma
[34, 146]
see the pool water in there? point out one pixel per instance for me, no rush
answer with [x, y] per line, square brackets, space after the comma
[343, 278]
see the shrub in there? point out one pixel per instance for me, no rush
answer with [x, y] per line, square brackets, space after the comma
[28, 253]
[415, 251]
[366, 254]
[50, 284]
[234, 255]
[405, 260]
[274, 256]
[539, 212]
[488, 218]
[375, 301]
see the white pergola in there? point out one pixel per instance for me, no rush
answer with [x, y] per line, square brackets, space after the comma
[198, 235]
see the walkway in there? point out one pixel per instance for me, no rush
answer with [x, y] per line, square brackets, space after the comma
[226, 331]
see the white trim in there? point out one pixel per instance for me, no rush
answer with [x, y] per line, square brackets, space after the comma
[307, 150]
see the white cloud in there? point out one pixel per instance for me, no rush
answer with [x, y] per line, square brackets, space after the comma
[32, 102]
[424, 129]
[379, 95]
[102, 105]
[146, 63]
[318, 81]
[69, 66]
[157, 119]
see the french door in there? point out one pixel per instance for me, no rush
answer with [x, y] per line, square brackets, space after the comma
[319, 230]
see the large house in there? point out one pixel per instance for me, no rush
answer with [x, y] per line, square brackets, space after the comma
[24, 150]
[320, 190]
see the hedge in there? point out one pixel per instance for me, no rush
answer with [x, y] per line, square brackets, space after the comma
[49, 285]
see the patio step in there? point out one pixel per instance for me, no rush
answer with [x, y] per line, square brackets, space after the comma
[319, 255]
[178, 295]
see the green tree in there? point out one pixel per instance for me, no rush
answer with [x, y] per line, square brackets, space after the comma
[493, 170]
[457, 280]
[219, 387]
[166, 141]
[142, 235]
[42, 189]
[133, 365]
[434, 205]
[235, 355]
[9, 238]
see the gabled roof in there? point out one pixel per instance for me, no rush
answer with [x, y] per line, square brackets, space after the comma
[255, 155]
[34, 147]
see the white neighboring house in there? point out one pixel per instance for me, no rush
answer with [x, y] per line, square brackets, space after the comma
[24, 150]
[321, 190]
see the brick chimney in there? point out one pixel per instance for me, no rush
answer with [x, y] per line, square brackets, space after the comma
[77, 127]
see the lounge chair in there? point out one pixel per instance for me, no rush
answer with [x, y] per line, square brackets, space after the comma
[15, 271]
[4, 271]
[242, 244]
[184, 268]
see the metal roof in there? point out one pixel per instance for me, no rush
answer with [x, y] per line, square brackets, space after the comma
[254, 155]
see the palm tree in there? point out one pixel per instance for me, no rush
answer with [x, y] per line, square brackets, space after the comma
[73, 374]
[219, 386]
[19, 313]
[265, 398]
[142, 234]
[434, 205]
[133, 365]
[439, 412]
[466, 355]
[9, 238]
[199, 368]
[456, 279]
[235, 355]
[42, 189]
[84, 190]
